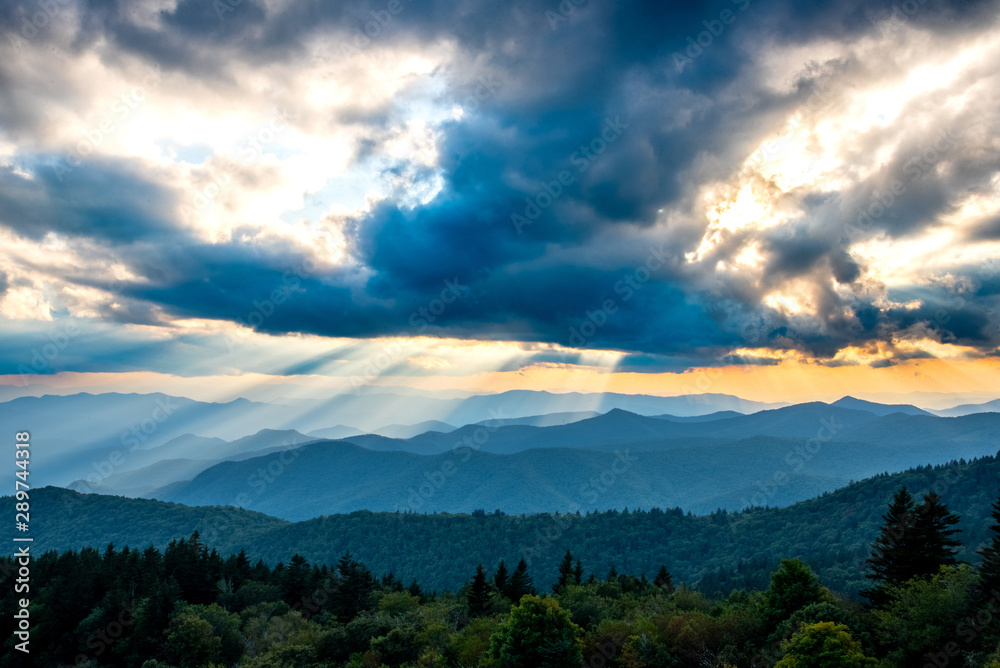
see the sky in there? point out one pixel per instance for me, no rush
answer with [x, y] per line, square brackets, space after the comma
[780, 199]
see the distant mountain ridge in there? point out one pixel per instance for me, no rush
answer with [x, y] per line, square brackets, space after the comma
[968, 409]
[878, 409]
[411, 430]
[722, 460]
[730, 463]
[619, 426]
[99, 436]
[336, 432]
[546, 420]
[94, 429]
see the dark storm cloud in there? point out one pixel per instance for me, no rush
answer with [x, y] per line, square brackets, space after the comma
[106, 201]
[554, 92]
[556, 305]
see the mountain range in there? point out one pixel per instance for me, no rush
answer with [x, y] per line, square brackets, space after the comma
[84, 434]
[614, 460]
[710, 456]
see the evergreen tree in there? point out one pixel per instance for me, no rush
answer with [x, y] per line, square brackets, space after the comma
[664, 580]
[521, 583]
[566, 576]
[390, 582]
[578, 572]
[150, 620]
[500, 578]
[237, 569]
[151, 570]
[356, 583]
[295, 580]
[793, 587]
[414, 589]
[933, 528]
[891, 561]
[989, 572]
[915, 542]
[260, 572]
[479, 593]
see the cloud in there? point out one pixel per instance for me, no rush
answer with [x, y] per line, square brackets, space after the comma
[669, 183]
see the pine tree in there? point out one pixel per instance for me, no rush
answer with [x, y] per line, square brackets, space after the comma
[501, 577]
[479, 593]
[989, 572]
[578, 572]
[521, 583]
[294, 581]
[151, 570]
[151, 619]
[356, 583]
[664, 580]
[915, 542]
[933, 528]
[415, 590]
[238, 569]
[892, 552]
[390, 583]
[793, 586]
[566, 576]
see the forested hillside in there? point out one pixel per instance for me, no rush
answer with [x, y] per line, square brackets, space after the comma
[713, 553]
[189, 607]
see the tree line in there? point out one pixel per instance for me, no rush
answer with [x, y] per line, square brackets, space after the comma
[189, 607]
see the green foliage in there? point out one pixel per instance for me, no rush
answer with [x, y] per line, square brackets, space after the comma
[989, 572]
[915, 542]
[225, 625]
[625, 621]
[396, 647]
[935, 530]
[793, 586]
[398, 603]
[824, 645]
[125, 608]
[191, 642]
[686, 598]
[501, 578]
[567, 575]
[923, 616]
[893, 551]
[664, 580]
[479, 593]
[828, 611]
[993, 660]
[537, 634]
[471, 645]
[521, 583]
[716, 553]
